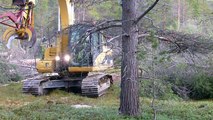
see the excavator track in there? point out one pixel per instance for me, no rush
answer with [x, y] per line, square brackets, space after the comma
[91, 86]
[34, 86]
[95, 85]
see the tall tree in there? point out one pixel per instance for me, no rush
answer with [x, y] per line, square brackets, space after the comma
[129, 98]
[179, 15]
[129, 83]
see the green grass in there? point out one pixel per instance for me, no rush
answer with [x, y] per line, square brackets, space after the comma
[58, 106]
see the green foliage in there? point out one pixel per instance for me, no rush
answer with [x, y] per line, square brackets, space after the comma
[45, 17]
[202, 87]
[158, 56]
[198, 7]
[141, 53]
[158, 89]
[172, 25]
[153, 40]
[15, 105]
[8, 73]
[106, 10]
[117, 62]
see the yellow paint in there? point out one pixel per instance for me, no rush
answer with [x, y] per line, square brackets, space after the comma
[21, 32]
[100, 58]
[50, 53]
[45, 66]
[63, 43]
[25, 28]
[29, 32]
[8, 33]
[88, 69]
[67, 18]
[66, 13]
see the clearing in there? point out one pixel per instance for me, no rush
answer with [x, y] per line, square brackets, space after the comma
[61, 105]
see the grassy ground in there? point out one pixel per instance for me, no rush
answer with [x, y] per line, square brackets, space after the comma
[58, 105]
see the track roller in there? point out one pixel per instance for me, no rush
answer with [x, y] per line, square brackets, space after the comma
[95, 85]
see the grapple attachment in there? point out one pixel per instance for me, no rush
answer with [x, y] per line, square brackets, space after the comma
[20, 23]
[26, 36]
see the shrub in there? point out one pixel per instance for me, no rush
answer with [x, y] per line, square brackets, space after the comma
[201, 87]
[158, 88]
[194, 86]
[8, 73]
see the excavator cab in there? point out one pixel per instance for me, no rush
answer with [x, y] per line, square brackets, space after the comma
[84, 48]
[85, 52]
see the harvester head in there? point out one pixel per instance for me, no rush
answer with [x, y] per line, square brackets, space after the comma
[20, 23]
[26, 36]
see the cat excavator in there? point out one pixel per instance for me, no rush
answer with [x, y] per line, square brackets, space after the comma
[78, 59]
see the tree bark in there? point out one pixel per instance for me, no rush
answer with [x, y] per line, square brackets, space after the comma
[129, 97]
[179, 15]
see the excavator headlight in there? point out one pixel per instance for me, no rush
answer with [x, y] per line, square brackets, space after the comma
[67, 58]
[57, 58]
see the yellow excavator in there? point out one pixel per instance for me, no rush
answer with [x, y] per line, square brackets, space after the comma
[76, 62]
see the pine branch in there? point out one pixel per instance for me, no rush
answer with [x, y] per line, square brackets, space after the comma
[147, 11]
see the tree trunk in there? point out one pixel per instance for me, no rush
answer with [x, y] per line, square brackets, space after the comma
[164, 10]
[179, 15]
[129, 98]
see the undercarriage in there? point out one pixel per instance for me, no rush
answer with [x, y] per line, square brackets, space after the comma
[93, 85]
